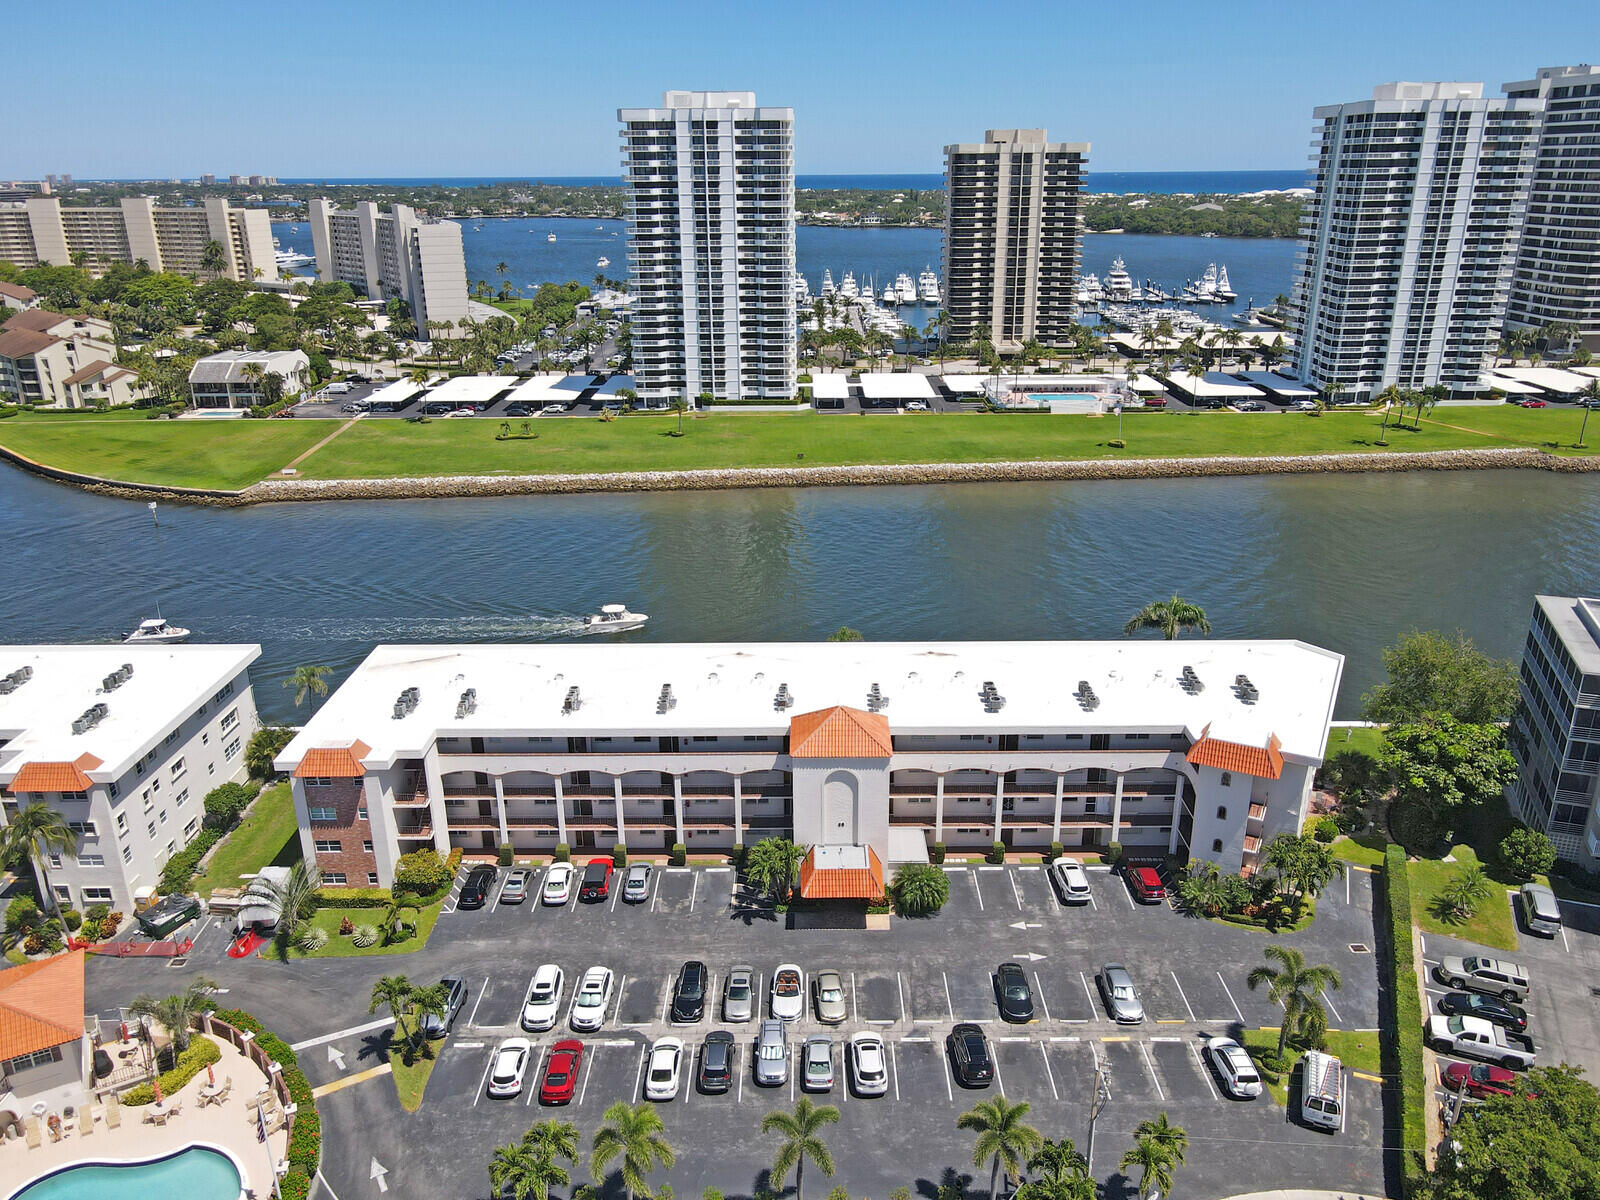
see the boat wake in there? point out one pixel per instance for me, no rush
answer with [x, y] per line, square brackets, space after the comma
[481, 627]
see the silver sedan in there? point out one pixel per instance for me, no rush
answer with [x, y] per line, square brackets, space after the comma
[738, 994]
[1121, 997]
[831, 1009]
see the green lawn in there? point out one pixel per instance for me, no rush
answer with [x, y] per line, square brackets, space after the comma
[1364, 850]
[1362, 740]
[1357, 1051]
[233, 454]
[1492, 925]
[329, 917]
[268, 837]
[227, 454]
[411, 1080]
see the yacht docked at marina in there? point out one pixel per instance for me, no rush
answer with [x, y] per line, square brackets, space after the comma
[928, 286]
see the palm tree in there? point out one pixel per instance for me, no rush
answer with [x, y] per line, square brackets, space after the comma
[1171, 617]
[773, 865]
[36, 832]
[1465, 891]
[1061, 1171]
[1296, 987]
[175, 1013]
[1591, 398]
[801, 1132]
[680, 406]
[294, 897]
[1387, 398]
[394, 993]
[634, 1134]
[1158, 1148]
[308, 681]
[529, 1167]
[1004, 1138]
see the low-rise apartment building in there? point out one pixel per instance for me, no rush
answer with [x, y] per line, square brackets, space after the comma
[226, 380]
[125, 742]
[395, 255]
[42, 230]
[60, 361]
[1201, 749]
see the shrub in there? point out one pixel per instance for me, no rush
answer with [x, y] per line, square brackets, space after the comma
[1325, 830]
[1401, 1038]
[997, 853]
[421, 873]
[562, 852]
[311, 939]
[226, 804]
[354, 897]
[264, 745]
[736, 855]
[679, 855]
[1113, 853]
[507, 854]
[1526, 852]
[296, 1185]
[346, 926]
[178, 871]
[1054, 852]
[619, 854]
[21, 913]
[33, 944]
[110, 925]
[919, 890]
[73, 918]
[839, 1193]
[936, 853]
[96, 912]
[202, 1052]
[364, 936]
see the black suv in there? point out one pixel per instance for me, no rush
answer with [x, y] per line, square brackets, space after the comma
[716, 1062]
[1016, 997]
[475, 891]
[969, 1056]
[689, 996]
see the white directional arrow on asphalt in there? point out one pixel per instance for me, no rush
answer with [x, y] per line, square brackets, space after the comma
[336, 1058]
[1031, 956]
[1026, 925]
[378, 1173]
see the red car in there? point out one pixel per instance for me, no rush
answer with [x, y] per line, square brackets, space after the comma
[1532, 404]
[1480, 1080]
[596, 879]
[1146, 884]
[561, 1074]
[1155, 401]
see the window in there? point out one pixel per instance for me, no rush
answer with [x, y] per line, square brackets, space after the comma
[97, 895]
[151, 829]
[327, 846]
[179, 768]
[333, 878]
[127, 854]
[171, 846]
[83, 828]
[1222, 812]
[1091, 805]
[315, 782]
[230, 719]
[231, 750]
[320, 813]
[179, 799]
[361, 812]
[91, 860]
[38, 1058]
[1216, 845]
[163, 815]
[148, 803]
[155, 785]
[74, 795]
[222, 695]
[122, 822]
[367, 846]
[211, 768]
[372, 879]
[171, 737]
[188, 830]
[55, 862]
[205, 739]
[1227, 779]
[63, 893]
[113, 790]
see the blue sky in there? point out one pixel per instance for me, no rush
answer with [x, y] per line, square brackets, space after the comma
[343, 89]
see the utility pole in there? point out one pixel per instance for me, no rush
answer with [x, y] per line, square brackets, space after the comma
[1097, 1103]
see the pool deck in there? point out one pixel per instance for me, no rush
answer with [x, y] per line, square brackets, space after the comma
[222, 1126]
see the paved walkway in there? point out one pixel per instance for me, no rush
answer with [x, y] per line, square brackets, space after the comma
[296, 462]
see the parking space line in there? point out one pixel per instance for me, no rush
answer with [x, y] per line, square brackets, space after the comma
[1059, 1038]
[1160, 1091]
[1200, 1059]
[1033, 868]
[1015, 890]
[991, 868]
[944, 1061]
[1231, 1000]
[854, 1013]
[1128, 896]
[482, 1079]
[1347, 887]
[977, 891]
[1094, 1013]
[616, 893]
[1329, 1001]
[1000, 1080]
[616, 1011]
[1042, 998]
[472, 1020]
[900, 984]
[638, 1076]
[947, 1003]
[655, 894]
[694, 891]
[741, 1088]
[894, 1065]
[1179, 986]
[789, 1054]
[1564, 945]
[538, 1071]
[1048, 1073]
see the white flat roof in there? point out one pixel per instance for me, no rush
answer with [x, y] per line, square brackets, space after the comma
[1587, 372]
[1549, 379]
[1143, 383]
[1212, 385]
[828, 385]
[970, 385]
[902, 385]
[1513, 387]
[932, 687]
[167, 685]
[547, 389]
[470, 389]
[1277, 384]
[612, 385]
[396, 392]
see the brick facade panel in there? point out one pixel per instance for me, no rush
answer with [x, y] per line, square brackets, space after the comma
[348, 828]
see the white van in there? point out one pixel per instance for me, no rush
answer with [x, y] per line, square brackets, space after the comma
[1322, 1091]
[337, 389]
[1540, 912]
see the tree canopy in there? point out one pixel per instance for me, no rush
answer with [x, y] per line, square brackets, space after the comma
[1432, 674]
[1541, 1143]
[1440, 770]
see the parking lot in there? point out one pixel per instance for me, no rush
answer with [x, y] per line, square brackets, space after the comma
[909, 985]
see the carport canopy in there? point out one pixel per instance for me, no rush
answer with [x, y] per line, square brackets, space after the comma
[964, 385]
[1551, 380]
[397, 392]
[901, 385]
[552, 388]
[1512, 387]
[469, 389]
[1277, 385]
[611, 386]
[829, 385]
[1213, 385]
[1146, 386]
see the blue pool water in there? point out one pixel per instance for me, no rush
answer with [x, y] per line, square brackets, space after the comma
[194, 1174]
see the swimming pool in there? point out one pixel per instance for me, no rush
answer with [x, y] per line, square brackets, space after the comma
[198, 1173]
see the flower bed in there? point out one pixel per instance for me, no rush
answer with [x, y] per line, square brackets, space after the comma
[201, 1053]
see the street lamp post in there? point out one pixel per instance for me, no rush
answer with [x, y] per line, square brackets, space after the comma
[1097, 1103]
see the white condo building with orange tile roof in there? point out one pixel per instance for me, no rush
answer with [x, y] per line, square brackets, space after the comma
[1200, 748]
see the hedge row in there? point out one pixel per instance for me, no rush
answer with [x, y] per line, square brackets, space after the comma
[305, 1140]
[178, 873]
[1401, 1039]
[202, 1052]
[339, 897]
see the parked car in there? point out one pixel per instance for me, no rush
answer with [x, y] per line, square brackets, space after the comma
[1532, 404]
[1491, 1008]
[1540, 912]
[590, 1000]
[515, 889]
[557, 884]
[636, 883]
[518, 409]
[475, 891]
[168, 915]
[788, 1001]
[970, 1059]
[1234, 1068]
[772, 1054]
[561, 1072]
[596, 879]
[661, 1074]
[1250, 406]
[510, 1065]
[543, 1004]
[1479, 1080]
[1322, 1091]
[1476, 973]
[689, 994]
[348, 408]
[1071, 881]
[437, 1025]
[461, 412]
[738, 994]
[868, 1064]
[337, 388]
[716, 1062]
[916, 406]
[1120, 996]
[1016, 997]
[1155, 401]
[552, 410]
[816, 1065]
[1145, 883]
[1473, 1037]
[1305, 406]
[829, 987]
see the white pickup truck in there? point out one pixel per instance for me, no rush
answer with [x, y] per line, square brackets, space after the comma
[1473, 1037]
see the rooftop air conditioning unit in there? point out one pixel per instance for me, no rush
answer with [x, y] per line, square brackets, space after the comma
[468, 703]
[571, 704]
[783, 699]
[666, 701]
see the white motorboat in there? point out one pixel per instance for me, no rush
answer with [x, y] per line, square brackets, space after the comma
[1224, 290]
[157, 631]
[1204, 289]
[1089, 290]
[847, 286]
[549, 237]
[928, 286]
[292, 258]
[1119, 285]
[613, 618]
[603, 261]
[802, 289]
[904, 290]
[827, 282]
[891, 296]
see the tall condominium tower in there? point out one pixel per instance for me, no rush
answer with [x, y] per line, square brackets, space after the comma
[1411, 235]
[396, 254]
[1013, 237]
[709, 181]
[1558, 268]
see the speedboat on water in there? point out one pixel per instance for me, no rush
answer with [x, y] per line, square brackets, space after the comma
[613, 618]
[549, 237]
[157, 631]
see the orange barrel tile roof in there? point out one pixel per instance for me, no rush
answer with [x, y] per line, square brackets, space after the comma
[55, 776]
[1262, 762]
[842, 883]
[41, 1004]
[334, 762]
[840, 732]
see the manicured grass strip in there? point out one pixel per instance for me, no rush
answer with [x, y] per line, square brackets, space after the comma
[1357, 1051]
[267, 837]
[1493, 923]
[341, 946]
[410, 1079]
[1362, 739]
[223, 454]
[1364, 850]
[1401, 1018]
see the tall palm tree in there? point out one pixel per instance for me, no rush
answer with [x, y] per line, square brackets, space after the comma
[1388, 398]
[801, 1132]
[1004, 1137]
[1171, 617]
[1591, 398]
[1296, 987]
[1158, 1149]
[394, 993]
[633, 1134]
[295, 896]
[177, 1011]
[530, 1166]
[36, 832]
[773, 864]
[308, 681]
